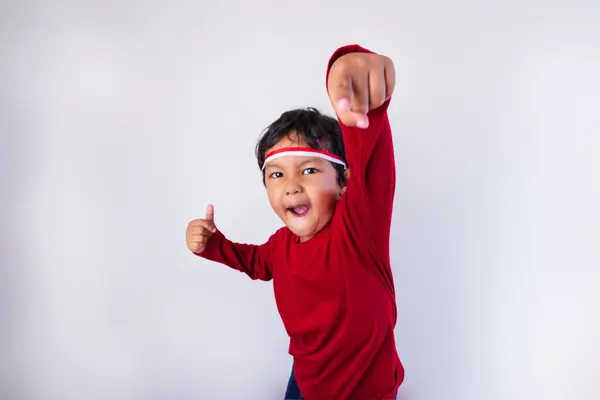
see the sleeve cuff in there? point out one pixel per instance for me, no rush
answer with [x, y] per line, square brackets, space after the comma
[212, 247]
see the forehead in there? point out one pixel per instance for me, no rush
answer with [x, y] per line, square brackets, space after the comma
[290, 140]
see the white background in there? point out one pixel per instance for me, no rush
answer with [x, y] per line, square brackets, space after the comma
[120, 121]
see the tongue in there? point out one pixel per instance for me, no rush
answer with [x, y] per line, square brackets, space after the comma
[300, 210]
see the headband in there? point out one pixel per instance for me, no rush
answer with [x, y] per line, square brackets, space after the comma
[303, 151]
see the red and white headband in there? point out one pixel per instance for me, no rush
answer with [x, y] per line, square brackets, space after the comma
[303, 151]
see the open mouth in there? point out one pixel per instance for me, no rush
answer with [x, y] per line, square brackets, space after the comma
[299, 210]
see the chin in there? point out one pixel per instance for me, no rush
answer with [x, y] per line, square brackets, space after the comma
[301, 230]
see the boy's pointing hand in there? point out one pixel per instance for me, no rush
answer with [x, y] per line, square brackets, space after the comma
[357, 83]
[199, 231]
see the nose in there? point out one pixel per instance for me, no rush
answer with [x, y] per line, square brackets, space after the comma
[292, 188]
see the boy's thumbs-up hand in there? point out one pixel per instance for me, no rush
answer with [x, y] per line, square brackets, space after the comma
[199, 231]
[358, 83]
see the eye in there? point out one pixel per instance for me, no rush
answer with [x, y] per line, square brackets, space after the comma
[275, 175]
[309, 171]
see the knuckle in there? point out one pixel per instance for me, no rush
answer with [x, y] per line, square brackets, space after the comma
[382, 60]
[387, 62]
[200, 224]
[342, 84]
[341, 64]
[361, 60]
[339, 86]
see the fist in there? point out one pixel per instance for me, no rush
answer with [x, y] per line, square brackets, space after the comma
[199, 231]
[357, 83]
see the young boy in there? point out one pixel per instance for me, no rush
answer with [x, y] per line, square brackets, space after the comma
[333, 187]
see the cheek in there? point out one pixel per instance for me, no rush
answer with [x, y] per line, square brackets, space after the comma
[323, 196]
[274, 197]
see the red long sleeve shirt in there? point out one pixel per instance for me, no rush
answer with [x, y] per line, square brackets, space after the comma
[335, 293]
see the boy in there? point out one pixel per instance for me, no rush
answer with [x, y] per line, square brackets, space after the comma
[333, 187]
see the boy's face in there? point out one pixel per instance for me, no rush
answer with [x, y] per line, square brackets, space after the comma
[302, 190]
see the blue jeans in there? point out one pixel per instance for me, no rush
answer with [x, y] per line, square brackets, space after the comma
[293, 393]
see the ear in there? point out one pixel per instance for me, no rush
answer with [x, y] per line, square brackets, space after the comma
[343, 188]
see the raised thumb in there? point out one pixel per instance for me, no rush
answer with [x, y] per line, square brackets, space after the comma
[210, 216]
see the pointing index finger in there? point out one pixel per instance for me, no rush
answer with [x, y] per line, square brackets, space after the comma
[341, 94]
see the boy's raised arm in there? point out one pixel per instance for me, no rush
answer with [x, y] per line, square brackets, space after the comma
[360, 84]
[206, 241]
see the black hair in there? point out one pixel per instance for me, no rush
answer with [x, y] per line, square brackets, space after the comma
[320, 132]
